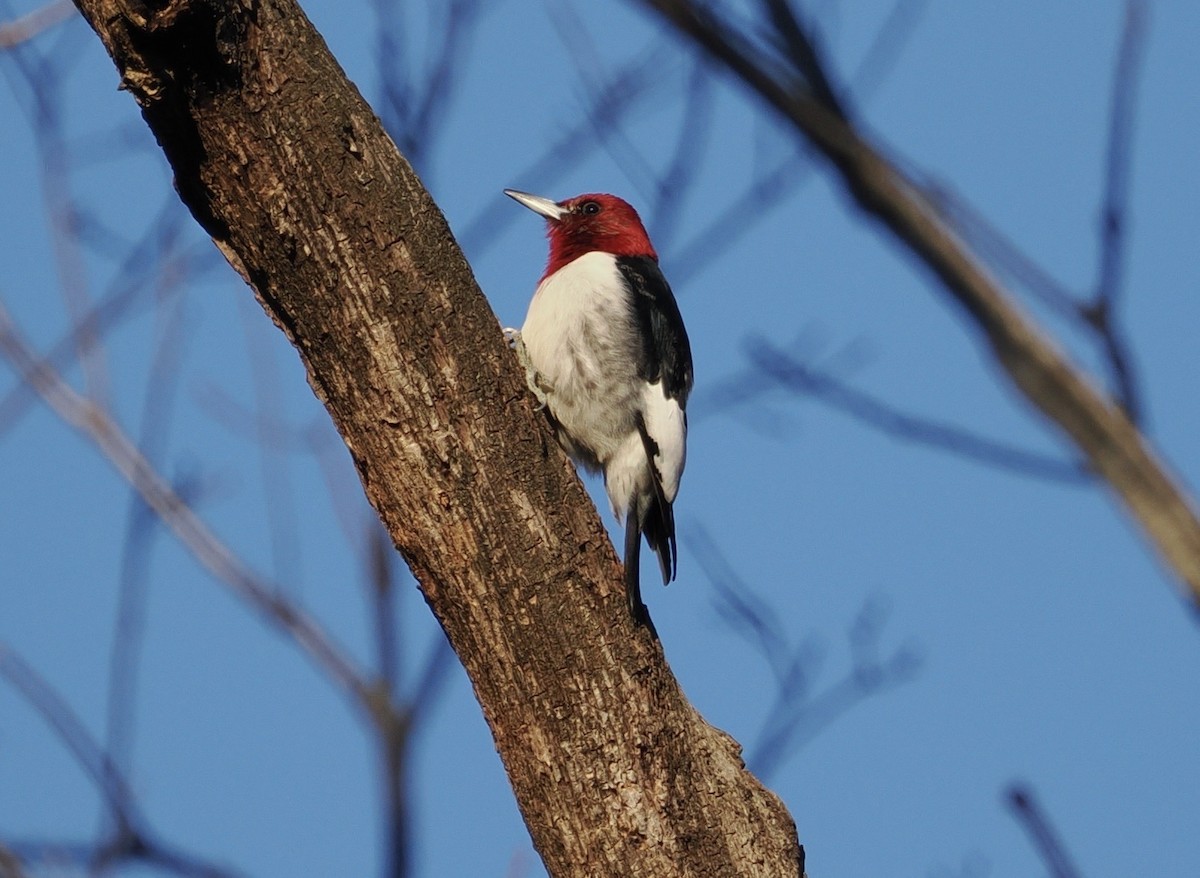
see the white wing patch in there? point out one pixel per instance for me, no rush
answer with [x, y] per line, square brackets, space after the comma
[667, 426]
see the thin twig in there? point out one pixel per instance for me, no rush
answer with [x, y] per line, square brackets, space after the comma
[728, 226]
[609, 134]
[675, 182]
[125, 654]
[130, 837]
[1000, 251]
[1114, 212]
[71, 731]
[885, 48]
[29, 25]
[130, 281]
[1036, 824]
[10, 864]
[784, 370]
[797, 715]
[617, 96]
[801, 48]
[773, 186]
[278, 495]
[414, 104]
[212, 554]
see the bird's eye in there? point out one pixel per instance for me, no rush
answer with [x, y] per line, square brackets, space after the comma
[591, 208]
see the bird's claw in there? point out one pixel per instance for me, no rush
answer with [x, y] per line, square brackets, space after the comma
[532, 378]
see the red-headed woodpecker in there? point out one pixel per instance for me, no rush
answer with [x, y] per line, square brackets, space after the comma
[606, 353]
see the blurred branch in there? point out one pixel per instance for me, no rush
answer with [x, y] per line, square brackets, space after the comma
[1000, 251]
[160, 250]
[396, 727]
[278, 496]
[615, 97]
[1037, 825]
[130, 838]
[10, 864]
[71, 731]
[609, 133]
[392, 716]
[1065, 394]
[771, 187]
[673, 184]
[1093, 313]
[29, 25]
[1115, 210]
[315, 437]
[140, 528]
[413, 105]
[94, 423]
[797, 714]
[786, 371]
[800, 46]
[43, 75]
[884, 51]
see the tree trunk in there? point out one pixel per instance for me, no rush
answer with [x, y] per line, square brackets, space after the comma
[285, 166]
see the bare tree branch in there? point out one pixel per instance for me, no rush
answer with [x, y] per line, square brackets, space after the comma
[278, 497]
[1115, 210]
[130, 837]
[797, 713]
[10, 864]
[214, 555]
[414, 103]
[1033, 820]
[775, 184]
[783, 370]
[29, 25]
[798, 44]
[140, 529]
[1063, 393]
[616, 96]
[881, 56]
[138, 270]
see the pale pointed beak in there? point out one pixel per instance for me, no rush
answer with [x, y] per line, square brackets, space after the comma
[537, 204]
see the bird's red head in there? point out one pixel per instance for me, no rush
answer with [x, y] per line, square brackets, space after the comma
[585, 223]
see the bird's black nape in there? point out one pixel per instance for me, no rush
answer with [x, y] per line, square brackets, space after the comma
[633, 558]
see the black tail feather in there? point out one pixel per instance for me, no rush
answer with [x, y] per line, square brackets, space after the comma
[659, 528]
[658, 522]
[633, 557]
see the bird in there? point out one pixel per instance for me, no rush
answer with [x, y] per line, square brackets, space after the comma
[607, 356]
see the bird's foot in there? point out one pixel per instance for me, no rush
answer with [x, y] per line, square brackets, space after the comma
[532, 378]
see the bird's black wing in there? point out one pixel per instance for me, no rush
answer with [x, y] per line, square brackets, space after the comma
[666, 354]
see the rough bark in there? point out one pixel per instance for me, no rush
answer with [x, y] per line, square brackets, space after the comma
[285, 166]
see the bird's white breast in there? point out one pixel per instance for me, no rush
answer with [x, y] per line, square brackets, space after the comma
[580, 336]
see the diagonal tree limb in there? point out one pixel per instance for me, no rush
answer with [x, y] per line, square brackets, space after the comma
[287, 169]
[1065, 395]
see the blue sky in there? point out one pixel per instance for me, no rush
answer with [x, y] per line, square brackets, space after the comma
[1052, 649]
